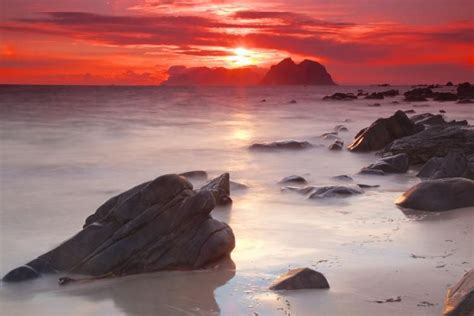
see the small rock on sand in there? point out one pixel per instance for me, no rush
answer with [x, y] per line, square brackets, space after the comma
[302, 278]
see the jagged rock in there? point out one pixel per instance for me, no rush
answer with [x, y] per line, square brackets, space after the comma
[340, 128]
[459, 300]
[159, 225]
[337, 145]
[341, 96]
[195, 175]
[375, 96]
[465, 91]
[382, 132]
[281, 145]
[438, 195]
[307, 72]
[220, 188]
[293, 180]
[455, 164]
[391, 164]
[435, 141]
[445, 96]
[302, 278]
[418, 94]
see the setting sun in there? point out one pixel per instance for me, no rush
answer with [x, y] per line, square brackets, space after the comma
[242, 57]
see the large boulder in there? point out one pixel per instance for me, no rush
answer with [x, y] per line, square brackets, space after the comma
[435, 141]
[460, 298]
[438, 195]
[298, 279]
[454, 164]
[281, 145]
[159, 225]
[382, 132]
[392, 164]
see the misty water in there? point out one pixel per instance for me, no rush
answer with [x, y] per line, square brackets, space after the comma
[66, 150]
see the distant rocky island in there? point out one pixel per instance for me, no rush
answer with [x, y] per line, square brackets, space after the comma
[286, 72]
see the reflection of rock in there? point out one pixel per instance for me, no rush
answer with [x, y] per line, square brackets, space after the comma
[281, 145]
[158, 225]
[302, 278]
[460, 298]
[454, 164]
[391, 164]
[382, 132]
[438, 195]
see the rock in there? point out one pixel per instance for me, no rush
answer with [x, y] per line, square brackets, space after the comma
[392, 164]
[454, 164]
[434, 119]
[434, 141]
[329, 136]
[395, 102]
[390, 93]
[340, 128]
[375, 172]
[159, 225]
[293, 180]
[338, 96]
[418, 94]
[382, 132]
[367, 186]
[337, 145]
[459, 300]
[343, 178]
[375, 96]
[445, 96]
[292, 102]
[195, 175]
[220, 188]
[263, 100]
[465, 101]
[442, 111]
[409, 111]
[449, 84]
[334, 191]
[362, 94]
[281, 145]
[438, 195]
[302, 278]
[308, 72]
[374, 105]
[465, 91]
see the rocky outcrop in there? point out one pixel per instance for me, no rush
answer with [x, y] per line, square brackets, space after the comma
[159, 225]
[382, 132]
[435, 141]
[418, 94]
[281, 145]
[287, 72]
[302, 278]
[391, 164]
[460, 298]
[339, 96]
[465, 91]
[438, 195]
[455, 164]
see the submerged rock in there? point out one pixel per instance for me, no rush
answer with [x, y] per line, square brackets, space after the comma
[445, 96]
[460, 298]
[293, 179]
[339, 96]
[465, 91]
[438, 195]
[302, 278]
[434, 119]
[382, 132]
[454, 164]
[334, 191]
[435, 141]
[343, 177]
[281, 145]
[337, 145]
[159, 225]
[418, 94]
[392, 164]
[340, 128]
[375, 96]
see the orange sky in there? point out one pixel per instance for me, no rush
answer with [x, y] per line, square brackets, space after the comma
[136, 41]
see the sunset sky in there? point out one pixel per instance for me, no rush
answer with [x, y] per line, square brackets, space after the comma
[136, 41]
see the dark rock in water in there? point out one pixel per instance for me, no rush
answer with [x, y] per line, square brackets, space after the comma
[302, 278]
[435, 141]
[159, 225]
[442, 111]
[374, 105]
[292, 102]
[281, 145]
[307, 72]
[465, 91]
[195, 175]
[362, 93]
[465, 101]
[293, 180]
[334, 191]
[329, 136]
[220, 188]
[445, 96]
[438, 195]
[418, 94]
[392, 164]
[390, 93]
[382, 132]
[367, 186]
[459, 300]
[375, 172]
[449, 84]
[343, 178]
[434, 119]
[455, 164]
[340, 128]
[395, 102]
[337, 145]
[338, 96]
[375, 96]
[409, 111]
[263, 100]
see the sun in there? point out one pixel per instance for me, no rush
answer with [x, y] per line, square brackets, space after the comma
[242, 57]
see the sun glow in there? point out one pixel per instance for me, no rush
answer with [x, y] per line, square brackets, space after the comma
[242, 57]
